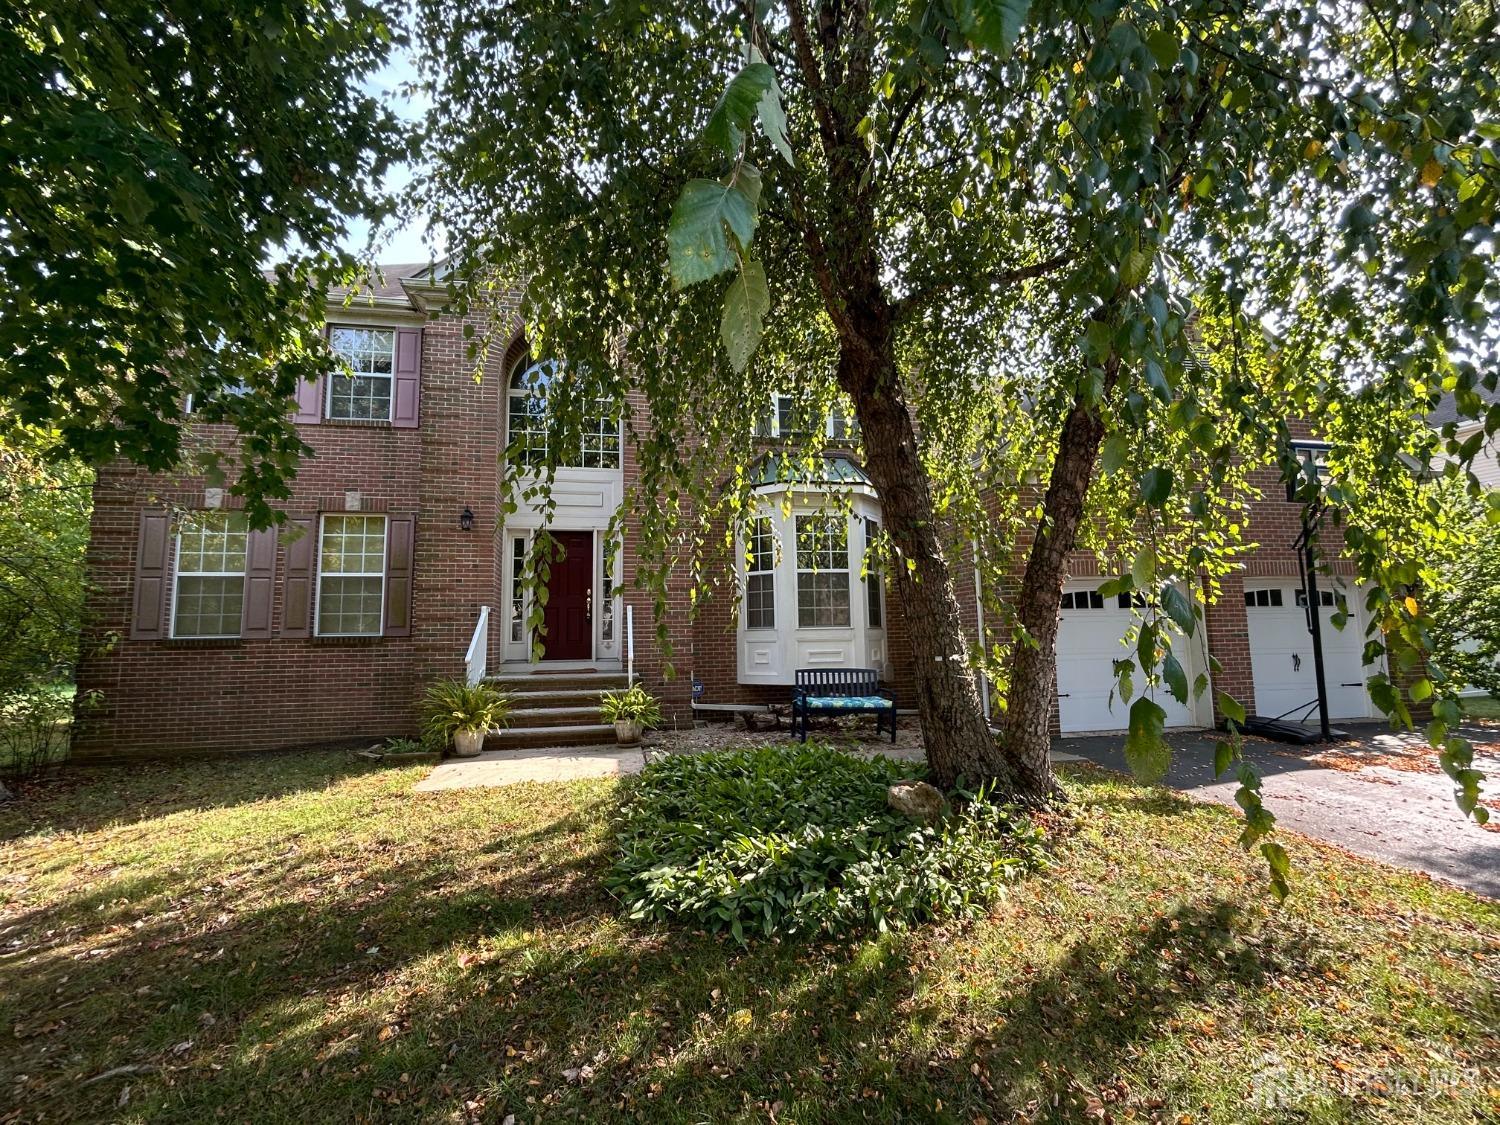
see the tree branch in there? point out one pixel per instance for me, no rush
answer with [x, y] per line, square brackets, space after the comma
[812, 78]
[915, 302]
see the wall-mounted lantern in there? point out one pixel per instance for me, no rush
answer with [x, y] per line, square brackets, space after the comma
[466, 520]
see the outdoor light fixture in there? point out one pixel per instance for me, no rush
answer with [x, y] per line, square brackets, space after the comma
[466, 520]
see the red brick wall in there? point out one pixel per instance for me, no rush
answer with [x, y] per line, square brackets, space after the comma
[162, 697]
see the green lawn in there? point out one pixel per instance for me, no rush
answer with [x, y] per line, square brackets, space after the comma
[1483, 707]
[301, 938]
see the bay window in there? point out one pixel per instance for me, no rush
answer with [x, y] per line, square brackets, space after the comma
[760, 576]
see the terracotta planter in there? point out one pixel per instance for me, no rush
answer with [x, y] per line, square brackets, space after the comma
[627, 732]
[467, 743]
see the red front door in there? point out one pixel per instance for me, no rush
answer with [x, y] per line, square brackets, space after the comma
[569, 616]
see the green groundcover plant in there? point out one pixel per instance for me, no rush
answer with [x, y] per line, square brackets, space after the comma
[798, 840]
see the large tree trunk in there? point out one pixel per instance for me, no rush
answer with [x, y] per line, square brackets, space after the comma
[1027, 734]
[954, 732]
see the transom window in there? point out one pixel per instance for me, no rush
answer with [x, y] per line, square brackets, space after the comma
[599, 446]
[760, 576]
[874, 579]
[1264, 599]
[1082, 599]
[208, 597]
[822, 572]
[365, 394]
[351, 576]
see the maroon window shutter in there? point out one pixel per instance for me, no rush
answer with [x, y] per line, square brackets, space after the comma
[297, 583]
[399, 540]
[149, 614]
[407, 389]
[260, 580]
[309, 402]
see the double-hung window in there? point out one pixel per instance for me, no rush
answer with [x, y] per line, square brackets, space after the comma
[208, 595]
[822, 572]
[363, 393]
[760, 576]
[351, 576]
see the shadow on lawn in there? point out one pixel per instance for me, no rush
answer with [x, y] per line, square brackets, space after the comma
[479, 981]
[86, 798]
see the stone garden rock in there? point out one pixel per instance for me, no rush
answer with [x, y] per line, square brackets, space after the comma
[916, 800]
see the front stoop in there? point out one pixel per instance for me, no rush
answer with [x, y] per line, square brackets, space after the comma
[558, 709]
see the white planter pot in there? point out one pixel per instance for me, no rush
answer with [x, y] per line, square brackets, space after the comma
[467, 743]
[627, 732]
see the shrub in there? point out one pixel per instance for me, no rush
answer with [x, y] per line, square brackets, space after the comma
[453, 705]
[636, 704]
[797, 839]
[35, 731]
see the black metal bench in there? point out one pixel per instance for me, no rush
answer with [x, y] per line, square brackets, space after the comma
[841, 691]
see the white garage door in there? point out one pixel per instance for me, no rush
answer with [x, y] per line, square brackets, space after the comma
[1281, 655]
[1088, 644]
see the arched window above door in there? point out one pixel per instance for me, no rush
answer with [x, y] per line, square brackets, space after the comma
[531, 381]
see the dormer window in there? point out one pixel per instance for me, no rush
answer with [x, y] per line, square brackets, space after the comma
[529, 420]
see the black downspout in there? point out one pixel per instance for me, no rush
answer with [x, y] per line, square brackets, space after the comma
[1315, 623]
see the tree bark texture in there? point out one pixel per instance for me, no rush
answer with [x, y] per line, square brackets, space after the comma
[1027, 733]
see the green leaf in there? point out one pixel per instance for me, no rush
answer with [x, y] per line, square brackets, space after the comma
[1156, 486]
[773, 119]
[1116, 452]
[1146, 752]
[746, 303]
[1143, 569]
[1421, 690]
[1223, 757]
[1135, 268]
[1178, 608]
[1231, 708]
[996, 24]
[697, 244]
[1177, 681]
[737, 107]
[1281, 866]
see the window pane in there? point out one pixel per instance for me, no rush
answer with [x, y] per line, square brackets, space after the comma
[351, 582]
[209, 586]
[760, 601]
[371, 356]
[822, 599]
[517, 590]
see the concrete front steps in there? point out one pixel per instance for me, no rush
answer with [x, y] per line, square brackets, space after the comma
[554, 709]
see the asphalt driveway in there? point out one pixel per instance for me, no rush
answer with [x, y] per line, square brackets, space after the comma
[1381, 795]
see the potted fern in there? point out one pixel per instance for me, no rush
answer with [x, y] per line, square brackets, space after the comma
[462, 711]
[632, 712]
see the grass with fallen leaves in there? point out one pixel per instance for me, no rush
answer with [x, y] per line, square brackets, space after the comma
[302, 938]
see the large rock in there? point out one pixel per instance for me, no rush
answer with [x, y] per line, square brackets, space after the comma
[916, 800]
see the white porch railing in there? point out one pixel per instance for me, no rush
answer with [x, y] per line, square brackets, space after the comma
[476, 660]
[630, 644]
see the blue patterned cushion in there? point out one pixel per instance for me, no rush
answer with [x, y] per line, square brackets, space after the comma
[848, 702]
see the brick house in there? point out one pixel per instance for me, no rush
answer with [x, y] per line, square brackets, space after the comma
[395, 567]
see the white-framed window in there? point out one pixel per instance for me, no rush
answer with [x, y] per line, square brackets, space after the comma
[760, 576]
[527, 420]
[351, 576]
[1082, 599]
[208, 589]
[365, 393]
[1263, 599]
[874, 579]
[779, 419]
[822, 571]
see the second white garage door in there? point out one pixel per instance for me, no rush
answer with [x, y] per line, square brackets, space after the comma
[1281, 654]
[1088, 644]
